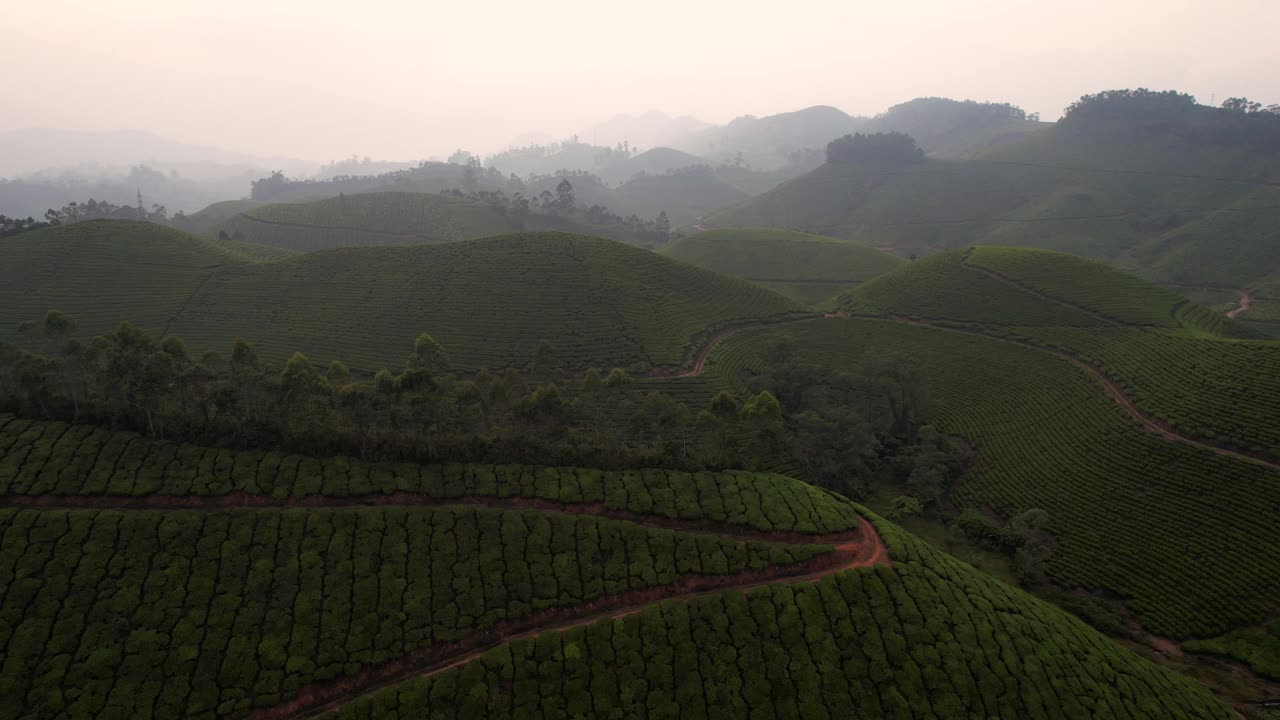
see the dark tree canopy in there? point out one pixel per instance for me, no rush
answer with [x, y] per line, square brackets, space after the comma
[1141, 105]
[891, 147]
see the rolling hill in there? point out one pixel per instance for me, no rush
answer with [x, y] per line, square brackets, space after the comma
[1175, 533]
[767, 141]
[489, 302]
[1185, 196]
[105, 271]
[382, 218]
[948, 128]
[274, 585]
[684, 195]
[656, 161]
[808, 268]
[1144, 425]
[208, 220]
[396, 218]
[1179, 363]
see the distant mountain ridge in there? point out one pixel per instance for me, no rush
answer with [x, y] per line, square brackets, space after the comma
[646, 130]
[30, 150]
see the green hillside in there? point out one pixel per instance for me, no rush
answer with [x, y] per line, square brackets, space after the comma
[286, 585]
[769, 142]
[808, 268]
[1184, 195]
[104, 271]
[209, 220]
[1175, 361]
[930, 638]
[683, 195]
[955, 129]
[384, 218]
[489, 302]
[655, 161]
[1132, 512]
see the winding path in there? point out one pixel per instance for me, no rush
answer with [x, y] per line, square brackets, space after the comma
[1246, 302]
[861, 547]
[1116, 392]
[712, 342]
[321, 698]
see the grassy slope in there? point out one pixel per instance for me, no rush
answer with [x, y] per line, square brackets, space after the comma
[384, 218]
[1172, 366]
[809, 268]
[244, 606]
[1185, 537]
[1152, 199]
[488, 302]
[950, 129]
[208, 220]
[56, 458]
[931, 638]
[104, 272]
[683, 196]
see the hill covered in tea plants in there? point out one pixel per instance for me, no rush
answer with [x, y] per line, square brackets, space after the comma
[488, 302]
[809, 268]
[274, 585]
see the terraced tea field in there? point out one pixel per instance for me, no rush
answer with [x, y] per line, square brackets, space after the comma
[489, 302]
[105, 272]
[384, 218]
[1183, 535]
[1178, 363]
[146, 579]
[808, 268]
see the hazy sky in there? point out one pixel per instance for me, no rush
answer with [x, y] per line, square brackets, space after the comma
[404, 80]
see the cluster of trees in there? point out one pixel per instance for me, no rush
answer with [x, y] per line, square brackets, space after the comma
[1025, 536]
[1246, 106]
[94, 210]
[425, 412]
[890, 148]
[569, 153]
[300, 597]
[13, 226]
[355, 165]
[965, 108]
[563, 203]
[1129, 105]
[1151, 106]
[74, 212]
[425, 177]
[852, 431]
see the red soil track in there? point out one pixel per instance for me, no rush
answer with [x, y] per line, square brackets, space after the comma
[700, 359]
[1117, 393]
[1246, 302]
[867, 551]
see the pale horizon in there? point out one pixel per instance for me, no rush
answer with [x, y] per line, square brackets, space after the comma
[401, 81]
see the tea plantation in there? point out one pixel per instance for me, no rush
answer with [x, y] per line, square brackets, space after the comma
[1180, 364]
[146, 579]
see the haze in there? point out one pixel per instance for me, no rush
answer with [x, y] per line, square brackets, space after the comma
[410, 80]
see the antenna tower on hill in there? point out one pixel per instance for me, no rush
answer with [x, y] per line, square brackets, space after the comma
[142, 214]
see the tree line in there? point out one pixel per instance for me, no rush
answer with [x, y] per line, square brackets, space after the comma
[564, 204]
[74, 212]
[846, 431]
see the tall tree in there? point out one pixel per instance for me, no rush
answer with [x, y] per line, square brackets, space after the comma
[564, 196]
[663, 225]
